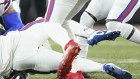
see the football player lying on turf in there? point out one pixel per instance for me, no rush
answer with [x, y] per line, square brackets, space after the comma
[23, 50]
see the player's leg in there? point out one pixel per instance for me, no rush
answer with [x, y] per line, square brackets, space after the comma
[58, 10]
[45, 60]
[42, 60]
[108, 68]
[31, 38]
[67, 26]
[95, 11]
[61, 10]
[45, 30]
[121, 12]
[71, 51]
[79, 5]
[55, 32]
[83, 33]
[37, 33]
[65, 6]
[81, 36]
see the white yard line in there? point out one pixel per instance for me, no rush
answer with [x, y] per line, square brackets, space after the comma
[129, 61]
[118, 61]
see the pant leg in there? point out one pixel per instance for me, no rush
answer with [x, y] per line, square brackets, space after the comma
[123, 10]
[43, 60]
[58, 10]
[79, 5]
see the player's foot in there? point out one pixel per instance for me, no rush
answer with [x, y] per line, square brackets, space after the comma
[72, 49]
[99, 35]
[77, 75]
[116, 72]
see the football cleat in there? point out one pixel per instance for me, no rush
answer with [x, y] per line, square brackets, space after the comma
[72, 49]
[99, 35]
[116, 72]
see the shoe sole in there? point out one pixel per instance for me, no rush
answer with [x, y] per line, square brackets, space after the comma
[114, 35]
[66, 64]
[126, 76]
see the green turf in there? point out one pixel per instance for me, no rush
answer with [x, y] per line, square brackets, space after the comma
[120, 52]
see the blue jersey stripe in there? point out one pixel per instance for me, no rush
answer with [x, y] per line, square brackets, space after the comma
[127, 10]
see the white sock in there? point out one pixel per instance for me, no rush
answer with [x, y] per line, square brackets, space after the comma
[83, 45]
[75, 66]
[136, 36]
[128, 31]
[87, 65]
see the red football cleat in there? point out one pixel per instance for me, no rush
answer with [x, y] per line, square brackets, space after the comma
[77, 75]
[72, 49]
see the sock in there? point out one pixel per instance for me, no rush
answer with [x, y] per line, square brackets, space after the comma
[128, 31]
[87, 65]
[75, 66]
[136, 36]
[83, 45]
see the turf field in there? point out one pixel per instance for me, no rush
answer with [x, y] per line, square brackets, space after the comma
[120, 52]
